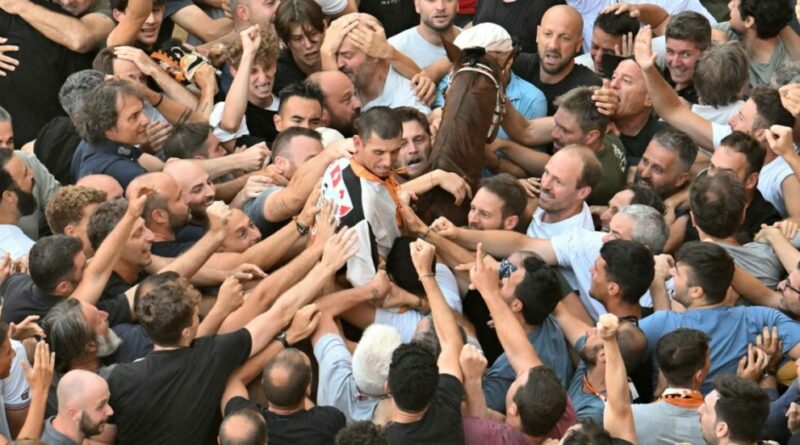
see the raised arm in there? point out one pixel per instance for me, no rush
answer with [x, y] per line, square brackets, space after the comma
[39, 378]
[230, 297]
[130, 23]
[618, 415]
[665, 100]
[422, 255]
[527, 132]
[781, 143]
[199, 24]
[236, 100]
[81, 35]
[449, 181]
[247, 160]
[498, 243]
[574, 328]
[188, 263]
[787, 254]
[150, 68]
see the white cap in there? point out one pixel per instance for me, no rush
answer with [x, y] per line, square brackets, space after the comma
[488, 36]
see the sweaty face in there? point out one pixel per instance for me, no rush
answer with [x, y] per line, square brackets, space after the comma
[241, 233]
[131, 126]
[303, 148]
[97, 410]
[198, 192]
[559, 190]
[6, 135]
[353, 62]
[342, 103]
[629, 85]
[148, 34]
[621, 199]
[620, 227]
[23, 185]
[177, 207]
[659, 169]
[378, 155]
[299, 112]
[485, 211]
[599, 283]
[602, 43]
[75, 7]
[744, 119]
[437, 15]
[567, 130]
[414, 147]
[305, 43]
[737, 24]
[682, 55]
[260, 87]
[128, 70]
[80, 228]
[725, 159]
[137, 247]
[557, 41]
[789, 290]
[680, 289]
[214, 147]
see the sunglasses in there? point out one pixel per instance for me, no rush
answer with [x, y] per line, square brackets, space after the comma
[506, 269]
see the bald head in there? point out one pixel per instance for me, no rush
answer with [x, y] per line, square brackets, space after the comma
[104, 183]
[286, 378]
[155, 182]
[566, 15]
[559, 37]
[164, 195]
[194, 182]
[341, 104]
[245, 427]
[78, 388]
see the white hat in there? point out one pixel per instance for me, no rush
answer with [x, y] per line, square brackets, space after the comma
[488, 36]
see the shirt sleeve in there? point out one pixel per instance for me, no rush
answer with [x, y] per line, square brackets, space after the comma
[239, 403]
[234, 348]
[216, 117]
[449, 287]
[335, 369]
[16, 392]
[118, 308]
[451, 390]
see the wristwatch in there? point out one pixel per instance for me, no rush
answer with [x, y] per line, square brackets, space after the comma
[302, 229]
[281, 337]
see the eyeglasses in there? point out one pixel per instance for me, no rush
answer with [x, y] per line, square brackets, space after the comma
[506, 269]
[786, 285]
[630, 318]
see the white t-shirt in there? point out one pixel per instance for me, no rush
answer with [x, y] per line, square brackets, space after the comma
[576, 252]
[411, 43]
[539, 229]
[216, 117]
[14, 241]
[397, 92]
[718, 115]
[770, 181]
[332, 7]
[14, 388]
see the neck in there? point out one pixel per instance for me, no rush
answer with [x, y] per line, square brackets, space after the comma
[375, 83]
[127, 271]
[623, 309]
[306, 68]
[561, 215]
[597, 377]
[550, 79]
[632, 125]
[68, 428]
[729, 240]
[771, 156]
[88, 362]
[401, 416]
[259, 102]
[11, 218]
[701, 304]
[285, 411]
[162, 233]
[434, 37]
[760, 50]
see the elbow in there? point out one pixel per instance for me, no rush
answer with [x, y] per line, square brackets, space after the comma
[81, 45]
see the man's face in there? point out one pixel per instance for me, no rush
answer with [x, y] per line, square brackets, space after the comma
[23, 185]
[298, 111]
[602, 43]
[97, 410]
[789, 290]
[126, 69]
[7, 355]
[241, 233]
[261, 79]
[379, 156]
[83, 224]
[509, 285]
[6, 135]
[414, 147]
[485, 211]
[75, 7]
[725, 159]
[682, 55]
[177, 207]
[592, 348]
[567, 130]
[708, 418]
[305, 44]
[303, 149]
[559, 185]
[659, 169]
[680, 279]
[353, 62]
[621, 199]
[198, 191]
[262, 12]
[215, 148]
[744, 119]
[343, 105]
[629, 85]
[148, 33]
[737, 24]
[557, 41]
[131, 126]
[620, 227]
[437, 15]
[137, 247]
[75, 277]
[96, 319]
[599, 285]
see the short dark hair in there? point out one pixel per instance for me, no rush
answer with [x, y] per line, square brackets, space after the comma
[99, 111]
[711, 268]
[104, 60]
[692, 27]
[305, 90]
[255, 435]
[52, 259]
[629, 264]
[413, 377]
[67, 332]
[677, 141]
[361, 433]
[747, 145]
[769, 108]
[578, 102]
[382, 121]
[66, 205]
[122, 5]
[680, 354]
[509, 190]
[646, 195]
[292, 392]
[717, 204]
[188, 140]
[283, 142]
[632, 344]
[153, 281]
[307, 14]
[770, 16]
[720, 74]
[743, 406]
[590, 433]
[408, 114]
[617, 24]
[400, 267]
[541, 401]
[166, 310]
[105, 217]
[539, 291]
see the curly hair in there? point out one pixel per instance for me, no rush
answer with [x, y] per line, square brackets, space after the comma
[266, 56]
[66, 206]
[99, 111]
[166, 310]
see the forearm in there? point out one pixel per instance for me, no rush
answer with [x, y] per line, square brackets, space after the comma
[338, 302]
[658, 292]
[532, 161]
[206, 102]
[497, 243]
[32, 428]
[422, 184]
[270, 250]
[785, 251]
[443, 318]
[193, 259]
[521, 353]
[791, 41]
[573, 327]
[135, 15]
[475, 400]
[753, 290]
[66, 30]
[236, 100]
[242, 376]
[402, 63]
[176, 113]
[525, 132]
[212, 321]
[655, 16]
[222, 166]
[618, 416]
[288, 202]
[173, 89]
[437, 70]
[230, 191]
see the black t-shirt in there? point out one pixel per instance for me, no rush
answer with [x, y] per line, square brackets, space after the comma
[21, 298]
[170, 249]
[688, 92]
[316, 426]
[760, 211]
[172, 397]
[636, 145]
[55, 145]
[260, 123]
[395, 15]
[30, 92]
[441, 423]
[519, 17]
[287, 71]
[117, 285]
[527, 65]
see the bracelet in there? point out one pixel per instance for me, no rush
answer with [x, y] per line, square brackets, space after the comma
[302, 229]
[427, 232]
[427, 275]
[160, 99]
[281, 337]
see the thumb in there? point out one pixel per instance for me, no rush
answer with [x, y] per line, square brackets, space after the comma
[606, 83]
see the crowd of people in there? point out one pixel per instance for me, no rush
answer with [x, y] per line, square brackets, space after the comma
[210, 226]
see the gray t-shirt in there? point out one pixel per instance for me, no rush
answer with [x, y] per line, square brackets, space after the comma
[759, 260]
[661, 423]
[411, 43]
[52, 437]
[760, 73]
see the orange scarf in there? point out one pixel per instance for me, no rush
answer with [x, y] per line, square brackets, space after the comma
[390, 183]
[684, 398]
[588, 387]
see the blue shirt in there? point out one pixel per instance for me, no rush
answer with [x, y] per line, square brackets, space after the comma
[731, 329]
[588, 406]
[550, 346]
[526, 98]
[109, 158]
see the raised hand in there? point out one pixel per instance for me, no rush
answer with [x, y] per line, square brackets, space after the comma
[482, 276]
[41, 375]
[142, 61]
[607, 326]
[643, 49]
[456, 186]
[218, 214]
[770, 342]
[780, 140]
[422, 255]
[473, 362]
[411, 222]
[532, 186]
[380, 285]
[251, 40]
[253, 158]
[255, 185]
[626, 49]
[605, 99]
[310, 210]
[303, 324]
[790, 98]
[664, 264]
[326, 224]
[231, 295]
[370, 38]
[339, 249]
[6, 267]
[444, 227]
[424, 88]
[793, 413]
[26, 329]
[7, 63]
[338, 30]
[157, 133]
[247, 271]
[622, 8]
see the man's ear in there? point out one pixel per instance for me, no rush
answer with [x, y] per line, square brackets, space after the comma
[117, 15]
[62, 288]
[276, 119]
[69, 230]
[592, 137]
[511, 222]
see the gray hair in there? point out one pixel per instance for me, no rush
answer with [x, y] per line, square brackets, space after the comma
[76, 88]
[373, 356]
[787, 72]
[649, 227]
[99, 111]
[4, 115]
